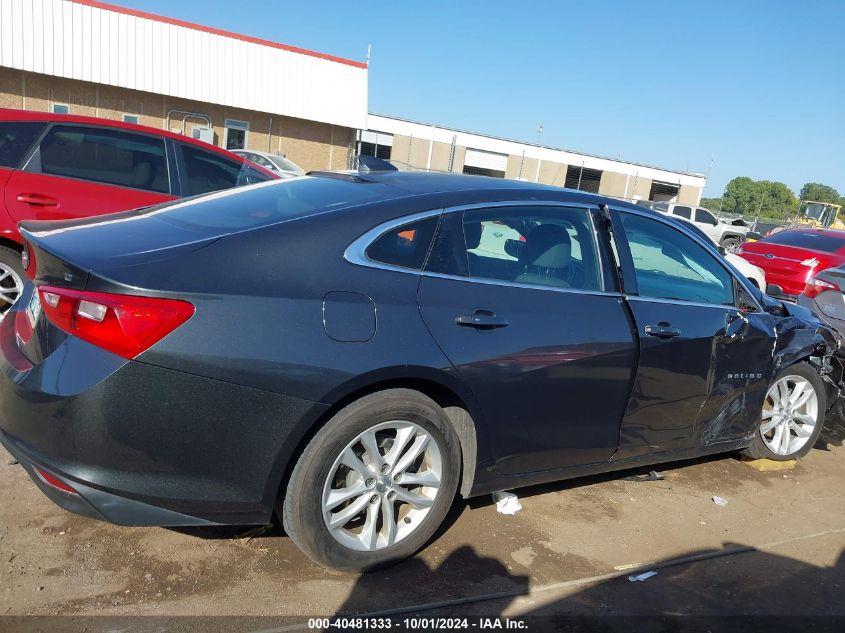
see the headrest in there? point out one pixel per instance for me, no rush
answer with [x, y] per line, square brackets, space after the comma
[547, 246]
[472, 234]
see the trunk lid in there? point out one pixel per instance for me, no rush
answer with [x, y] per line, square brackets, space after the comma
[783, 264]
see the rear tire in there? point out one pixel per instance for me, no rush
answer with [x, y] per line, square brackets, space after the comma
[11, 278]
[352, 503]
[792, 416]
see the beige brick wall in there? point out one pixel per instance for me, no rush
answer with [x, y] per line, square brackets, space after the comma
[520, 167]
[639, 186]
[689, 195]
[410, 152]
[11, 88]
[440, 156]
[612, 184]
[310, 144]
[553, 174]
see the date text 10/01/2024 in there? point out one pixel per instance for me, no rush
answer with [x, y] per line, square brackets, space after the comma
[415, 623]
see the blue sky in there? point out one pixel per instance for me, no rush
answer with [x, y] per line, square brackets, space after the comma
[759, 86]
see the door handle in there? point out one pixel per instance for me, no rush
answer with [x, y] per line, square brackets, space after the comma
[38, 200]
[662, 331]
[481, 319]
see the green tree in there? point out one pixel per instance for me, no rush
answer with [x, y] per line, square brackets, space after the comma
[818, 192]
[759, 197]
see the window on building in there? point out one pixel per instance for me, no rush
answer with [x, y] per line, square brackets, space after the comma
[16, 137]
[131, 118]
[483, 171]
[209, 171]
[583, 178]
[112, 157]
[371, 149]
[671, 265]
[405, 246]
[372, 143]
[663, 191]
[236, 133]
[61, 108]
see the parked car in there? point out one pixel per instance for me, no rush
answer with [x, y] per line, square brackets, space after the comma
[755, 274]
[336, 347]
[823, 295]
[59, 166]
[728, 235]
[794, 256]
[278, 164]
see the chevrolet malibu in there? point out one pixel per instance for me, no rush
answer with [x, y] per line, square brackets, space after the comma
[339, 349]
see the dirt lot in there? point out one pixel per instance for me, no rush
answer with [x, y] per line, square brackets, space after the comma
[569, 551]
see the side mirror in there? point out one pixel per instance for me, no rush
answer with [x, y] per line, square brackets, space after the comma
[722, 250]
[773, 290]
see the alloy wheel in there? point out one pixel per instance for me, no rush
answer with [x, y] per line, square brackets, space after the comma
[789, 416]
[11, 287]
[382, 485]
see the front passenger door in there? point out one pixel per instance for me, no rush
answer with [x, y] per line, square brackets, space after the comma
[700, 370]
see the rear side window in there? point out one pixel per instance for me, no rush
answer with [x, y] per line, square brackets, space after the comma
[405, 246]
[812, 241]
[112, 157]
[209, 171]
[541, 246]
[684, 212]
[16, 137]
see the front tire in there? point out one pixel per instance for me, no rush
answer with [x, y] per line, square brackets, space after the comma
[374, 483]
[730, 244]
[792, 416]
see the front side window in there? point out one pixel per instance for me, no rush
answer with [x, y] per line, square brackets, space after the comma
[684, 212]
[16, 137]
[670, 265]
[405, 246]
[704, 217]
[544, 246]
[108, 156]
[207, 171]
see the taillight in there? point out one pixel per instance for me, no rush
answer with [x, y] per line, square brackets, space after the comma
[54, 481]
[125, 325]
[815, 287]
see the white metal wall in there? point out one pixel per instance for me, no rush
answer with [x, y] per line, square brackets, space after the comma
[74, 40]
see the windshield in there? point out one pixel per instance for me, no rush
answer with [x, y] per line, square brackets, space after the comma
[285, 164]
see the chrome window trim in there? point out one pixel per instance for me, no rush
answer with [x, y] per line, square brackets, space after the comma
[737, 277]
[675, 302]
[356, 252]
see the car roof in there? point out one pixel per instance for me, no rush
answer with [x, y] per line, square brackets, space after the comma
[416, 183]
[9, 114]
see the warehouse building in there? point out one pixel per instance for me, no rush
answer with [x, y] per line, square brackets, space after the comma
[96, 59]
[239, 92]
[425, 146]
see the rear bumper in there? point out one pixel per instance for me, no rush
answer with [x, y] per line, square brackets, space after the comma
[146, 445]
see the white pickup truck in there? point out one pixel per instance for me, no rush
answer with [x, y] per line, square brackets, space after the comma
[727, 235]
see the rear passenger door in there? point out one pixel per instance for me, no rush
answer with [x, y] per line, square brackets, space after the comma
[517, 297]
[78, 171]
[16, 139]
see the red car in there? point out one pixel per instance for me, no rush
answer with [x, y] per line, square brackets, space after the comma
[791, 257]
[61, 166]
